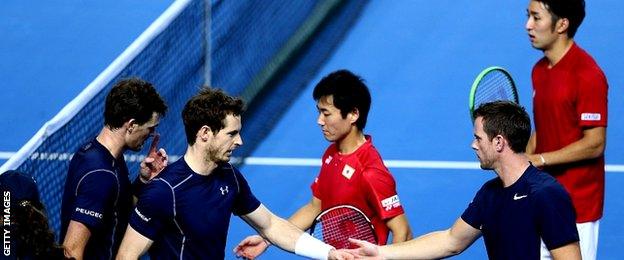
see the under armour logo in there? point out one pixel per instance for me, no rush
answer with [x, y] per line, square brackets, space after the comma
[224, 190]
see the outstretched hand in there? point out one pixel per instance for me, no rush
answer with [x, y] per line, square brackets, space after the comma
[340, 255]
[153, 164]
[251, 247]
[364, 250]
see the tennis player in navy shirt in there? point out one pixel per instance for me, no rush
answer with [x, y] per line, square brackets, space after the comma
[513, 212]
[97, 199]
[184, 213]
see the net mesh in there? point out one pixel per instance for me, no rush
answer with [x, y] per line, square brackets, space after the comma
[283, 43]
[294, 62]
[337, 225]
[175, 66]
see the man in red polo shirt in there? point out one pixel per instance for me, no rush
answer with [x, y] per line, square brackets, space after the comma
[570, 112]
[352, 170]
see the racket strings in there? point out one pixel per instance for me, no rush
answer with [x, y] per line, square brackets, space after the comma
[337, 226]
[495, 85]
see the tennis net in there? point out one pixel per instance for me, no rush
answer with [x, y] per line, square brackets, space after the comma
[248, 48]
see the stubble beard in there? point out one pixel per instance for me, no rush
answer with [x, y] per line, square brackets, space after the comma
[213, 156]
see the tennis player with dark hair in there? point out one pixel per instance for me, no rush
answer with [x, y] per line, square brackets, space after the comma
[570, 112]
[352, 170]
[29, 235]
[97, 199]
[512, 211]
[185, 212]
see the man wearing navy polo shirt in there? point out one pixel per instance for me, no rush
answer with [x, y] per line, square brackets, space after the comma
[185, 212]
[513, 212]
[97, 199]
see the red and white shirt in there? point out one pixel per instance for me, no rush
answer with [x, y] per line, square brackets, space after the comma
[567, 99]
[362, 180]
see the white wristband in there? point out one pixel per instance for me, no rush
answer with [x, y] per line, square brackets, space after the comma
[543, 160]
[311, 247]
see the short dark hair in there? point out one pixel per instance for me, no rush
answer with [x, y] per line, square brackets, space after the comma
[573, 10]
[132, 98]
[507, 119]
[209, 108]
[348, 91]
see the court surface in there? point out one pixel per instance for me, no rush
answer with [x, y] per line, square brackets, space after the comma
[419, 59]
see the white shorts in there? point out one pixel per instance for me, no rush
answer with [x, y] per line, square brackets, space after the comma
[588, 235]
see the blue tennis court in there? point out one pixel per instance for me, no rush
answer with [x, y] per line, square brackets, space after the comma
[418, 59]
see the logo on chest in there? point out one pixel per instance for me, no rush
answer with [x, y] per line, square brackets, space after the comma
[347, 171]
[328, 159]
[224, 190]
[519, 197]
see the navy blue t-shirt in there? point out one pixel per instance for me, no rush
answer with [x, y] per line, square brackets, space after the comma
[97, 194]
[187, 215]
[513, 219]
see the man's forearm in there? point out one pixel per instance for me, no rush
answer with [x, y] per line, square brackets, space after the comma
[429, 246]
[282, 233]
[589, 147]
[400, 228]
[133, 245]
[76, 240]
[399, 237]
[304, 217]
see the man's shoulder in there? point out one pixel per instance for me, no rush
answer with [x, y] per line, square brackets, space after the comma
[369, 157]
[174, 173]
[494, 183]
[90, 157]
[540, 65]
[584, 65]
[542, 183]
[331, 149]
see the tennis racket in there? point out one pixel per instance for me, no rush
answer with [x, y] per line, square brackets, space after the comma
[336, 225]
[492, 84]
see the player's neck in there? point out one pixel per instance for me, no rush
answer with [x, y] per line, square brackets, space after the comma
[113, 140]
[555, 53]
[351, 142]
[511, 167]
[194, 157]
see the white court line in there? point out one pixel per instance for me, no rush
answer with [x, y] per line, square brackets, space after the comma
[409, 164]
[307, 162]
[68, 156]
[6, 155]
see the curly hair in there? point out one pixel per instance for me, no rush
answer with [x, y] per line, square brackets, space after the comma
[132, 98]
[209, 108]
[31, 227]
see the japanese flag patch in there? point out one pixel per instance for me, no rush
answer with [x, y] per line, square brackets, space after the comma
[347, 171]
